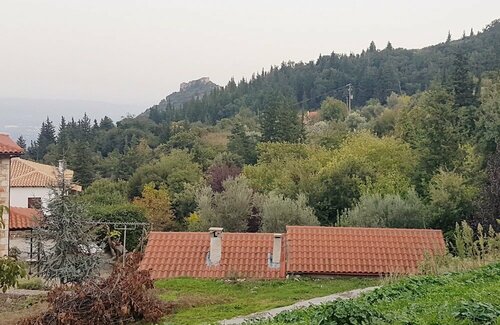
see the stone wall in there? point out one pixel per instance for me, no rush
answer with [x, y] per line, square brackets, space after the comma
[4, 200]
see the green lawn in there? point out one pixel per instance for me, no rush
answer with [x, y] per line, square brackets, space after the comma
[204, 301]
[471, 297]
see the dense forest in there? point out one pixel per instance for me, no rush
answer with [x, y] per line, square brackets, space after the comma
[419, 148]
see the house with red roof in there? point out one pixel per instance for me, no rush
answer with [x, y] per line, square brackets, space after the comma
[8, 150]
[32, 182]
[302, 250]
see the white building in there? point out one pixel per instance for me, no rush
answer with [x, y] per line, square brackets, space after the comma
[31, 183]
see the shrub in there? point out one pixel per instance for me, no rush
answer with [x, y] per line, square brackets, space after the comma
[123, 213]
[123, 297]
[478, 312]
[393, 211]
[33, 283]
[10, 271]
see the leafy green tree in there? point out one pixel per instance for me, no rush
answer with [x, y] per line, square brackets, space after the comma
[173, 171]
[451, 200]
[157, 206]
[363, 161]
[125, 212]
[488, 212]
[105, 192]
[432, 129]
[488, 116]
[355, 121]
[329, 135]
[333, 109]
[286, 168]
[391, 211]
[278, 211]
[230, 209]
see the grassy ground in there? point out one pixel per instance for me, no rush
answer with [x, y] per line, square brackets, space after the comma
[471, 297]
[204, 301]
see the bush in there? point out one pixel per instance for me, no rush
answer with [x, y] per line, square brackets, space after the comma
[123, 297]
[33, 283]
[392, 211]
[123, 213]
[478, 312]
[10, 271]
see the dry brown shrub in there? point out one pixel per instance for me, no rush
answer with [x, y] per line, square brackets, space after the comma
[121, 298]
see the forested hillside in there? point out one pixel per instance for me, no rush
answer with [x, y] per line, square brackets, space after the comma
[374, 73]
[419, 148]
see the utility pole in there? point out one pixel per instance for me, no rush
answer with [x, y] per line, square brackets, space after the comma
[349, 98]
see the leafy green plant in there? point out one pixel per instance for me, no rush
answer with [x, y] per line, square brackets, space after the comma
[478, 312]
[10, 271]
[33, 283]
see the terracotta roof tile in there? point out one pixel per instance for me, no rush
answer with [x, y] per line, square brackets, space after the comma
[8, 146]
[25, 173]
[358, 251]
[22, 218]
[176, 254]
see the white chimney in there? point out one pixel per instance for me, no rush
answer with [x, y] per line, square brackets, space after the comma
[215, 252]
[276, 257]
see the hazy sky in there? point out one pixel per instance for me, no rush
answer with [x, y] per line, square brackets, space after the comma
[136, 52]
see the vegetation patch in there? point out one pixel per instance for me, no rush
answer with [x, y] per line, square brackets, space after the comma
[471, 297]
[198, 301]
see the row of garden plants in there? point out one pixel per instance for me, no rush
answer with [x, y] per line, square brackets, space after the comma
[471, 297]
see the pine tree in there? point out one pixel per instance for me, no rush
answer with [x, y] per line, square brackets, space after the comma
[471, 32]
[373, 47]
[82, 163]
[70, 258]
[242, 144]
[448, 39]
[106, 123]
[462, 82]
[389, 46]
[279, 120]
[21, 142]
[46, 137]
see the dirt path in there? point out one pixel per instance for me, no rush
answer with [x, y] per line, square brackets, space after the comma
[301, 304]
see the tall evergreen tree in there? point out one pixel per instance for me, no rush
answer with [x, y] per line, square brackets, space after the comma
[242, 144]
[82, 163]
[21, 142]
[69, 257]
[279, 119]
[46, 137]
[448, 38]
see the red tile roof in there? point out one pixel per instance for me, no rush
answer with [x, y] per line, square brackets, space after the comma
[306, 250]
[9, 147]
[184, 254]
[26, 173]
[359, 251]
[22, 218]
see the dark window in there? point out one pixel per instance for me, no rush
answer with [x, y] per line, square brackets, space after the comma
[35, 203]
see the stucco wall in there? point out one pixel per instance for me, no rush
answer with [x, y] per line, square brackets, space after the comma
[19, 195]
[4, 200]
